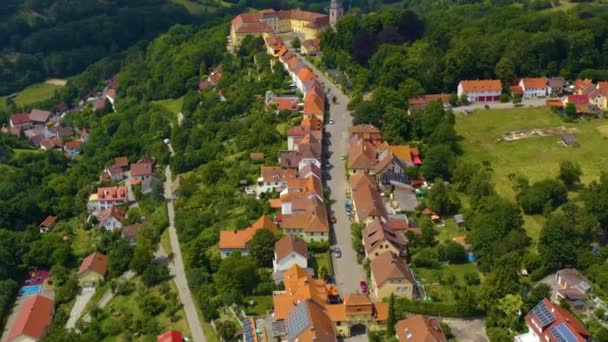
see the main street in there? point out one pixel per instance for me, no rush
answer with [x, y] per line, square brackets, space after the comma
[178, 271]
[347, 271]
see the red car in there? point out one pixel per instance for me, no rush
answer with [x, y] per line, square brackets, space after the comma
[363, 286]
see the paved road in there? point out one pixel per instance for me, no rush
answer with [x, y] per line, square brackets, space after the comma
[533, 102]
[82, 299]
[347, 271]
[176, 268]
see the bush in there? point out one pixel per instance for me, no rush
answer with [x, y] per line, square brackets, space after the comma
[472, 278]
[544, 195]
[403, 306]
[455, 253]
[318, 246]
[426, 257]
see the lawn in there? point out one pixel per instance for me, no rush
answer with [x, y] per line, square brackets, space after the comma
[438, 289]
[193, 7]
[166, 242]
[535, 158]
[262, 305]
[172, 105]
[450, 231]
[322, 259]
[36, 93]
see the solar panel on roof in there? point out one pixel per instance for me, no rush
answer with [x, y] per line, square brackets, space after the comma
[297, 321]
[562, 333]
[544, 315]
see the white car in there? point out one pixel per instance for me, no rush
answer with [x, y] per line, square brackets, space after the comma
[342, 157]
[331, 122]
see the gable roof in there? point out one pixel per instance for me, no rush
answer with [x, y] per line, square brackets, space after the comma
[238, 239]
[170, 336]
[402, 152]
[288, 244]
[602, 85]
[387, 266]
[95, 262]
[276, 174]
[375, 233]
[20, 119]
[114, 211]
[117, 193]
[38, 115]
[286, 103]
[419, 328]
[305, 74]
[534, 83]
[141, 169]
[550, 321]
[481, 85]
[557, 82]
[72, 145]
[309, 321]
[578, 99]
[574, 278]
[314, 101]
[312, 44]
[361, 155]
[368, 201]
[48, 222]
[33, 318]
[121, 162]
[422, 101]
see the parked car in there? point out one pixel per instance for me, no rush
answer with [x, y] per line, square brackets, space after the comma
[342, 157]
[333, 219]
[363, 286]
[337, 253]
[331, 121]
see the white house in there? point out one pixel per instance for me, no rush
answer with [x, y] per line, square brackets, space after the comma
[480, 90]
[534, 87]
[105, 198]
[111, 219]
[288, 251]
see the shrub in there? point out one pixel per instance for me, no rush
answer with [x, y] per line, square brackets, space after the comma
[472, 278]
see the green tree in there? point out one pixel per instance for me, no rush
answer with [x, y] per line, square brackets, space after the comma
[570, 173]
[454, 100]
[392, 317]
[119, 257]
[261, 247]
[505, 70]
[442, 199]
[455, 253]
[547, 194]
[570, 110]
[562, 233]
[295, 43]
[226, 328]
[438, 163]
[237, 276]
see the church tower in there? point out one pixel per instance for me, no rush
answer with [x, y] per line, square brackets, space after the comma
[336, 11]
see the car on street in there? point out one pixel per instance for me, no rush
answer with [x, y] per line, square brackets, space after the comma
[333, 219]
[337, 253]
[331, 121]
[342, 157]
[363, 286]
[327, 165]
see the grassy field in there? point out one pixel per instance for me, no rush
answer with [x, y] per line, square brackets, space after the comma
[172, 105]
[322, 259]
[193, 7]
[261, 306]
[537, 157]
[438, 289]
[32, 94]
[165, 241]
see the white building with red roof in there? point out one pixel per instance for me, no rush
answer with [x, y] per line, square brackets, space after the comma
[107, 197]
[480, 90]
[33, 320]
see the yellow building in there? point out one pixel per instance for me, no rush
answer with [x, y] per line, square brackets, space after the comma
[379, 239]
[391, 275]
[267, 22]
[93, 270]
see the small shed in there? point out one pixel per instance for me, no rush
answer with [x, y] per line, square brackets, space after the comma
[459, 219]
[569, 140]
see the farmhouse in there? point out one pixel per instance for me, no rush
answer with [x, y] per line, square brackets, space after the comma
[534, 87]
[480, 90]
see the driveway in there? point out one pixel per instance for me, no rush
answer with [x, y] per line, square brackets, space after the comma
[347, 271]
[81, 302]
[107, 297]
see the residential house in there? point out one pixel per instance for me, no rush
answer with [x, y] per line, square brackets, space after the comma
[367, 201]
[576, 100]
[309, 321]
[409, 155]
[170, 336]
[573, 286]
[107, 197]
[379, 239]
[310, 170]
[114, 173]
[84, 135]
[129, 232]
[355, 313]
[288, 103]
[391, 275]
[310, 47]
[295, 135]
[236, 240]
[33, 319]
[599, 98]
[390, 169]
[50, 144]
[534, 87]
[309, 219]
[557, 86]
[39, 116]
[480, 90]
[314, 101]
[289, 250]
[419, 328]
[289, 160]
[273, 178]
[212, 80]
[122, 162]
[549, 322]
[111, 218]
[72, 148]
[304, 76]
[274, 45]
[365, 132]
[92, 270]
[48, 224]
[21, 120]
[422, 101]
[142, 170]
[361, 156]
[582, 86]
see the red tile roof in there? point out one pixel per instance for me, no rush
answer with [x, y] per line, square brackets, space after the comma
[130, 232]
[286, 103]
[95, 262]
[20, 119]
[121, 162]
[39, 115]
[72, 145]
[48, 222]
[305, 75]
[33, 318]
[238, 239]
[534, 83]
[419, 329]
[289, 244]
[555, 316]
[113, 211]
[578, 99]
[170, 336]
[141, 169]
[481, 85]
[117, 193]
